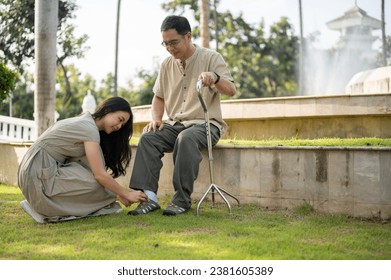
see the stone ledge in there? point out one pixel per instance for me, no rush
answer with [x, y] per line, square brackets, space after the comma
[344, 116]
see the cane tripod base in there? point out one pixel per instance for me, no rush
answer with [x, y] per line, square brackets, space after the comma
[212, 188]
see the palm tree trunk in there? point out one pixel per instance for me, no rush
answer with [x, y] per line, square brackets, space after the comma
[116, 50]
[216, 20]
[301, 58]
[46, 21]
[383, 31]
[204, 23]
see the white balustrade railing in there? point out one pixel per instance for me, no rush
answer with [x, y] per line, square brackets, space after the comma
[17, 130]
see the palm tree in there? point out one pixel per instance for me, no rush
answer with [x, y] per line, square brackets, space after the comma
[204, 23]
[46, 21]
[116, 49]
[383, 29]
[301, 59]
[215, 18]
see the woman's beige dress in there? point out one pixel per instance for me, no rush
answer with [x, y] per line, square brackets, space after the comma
[54, 175]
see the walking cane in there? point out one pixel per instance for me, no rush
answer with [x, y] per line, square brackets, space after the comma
[213, 187]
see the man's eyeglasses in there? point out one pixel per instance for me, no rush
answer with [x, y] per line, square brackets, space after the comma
[171, 43]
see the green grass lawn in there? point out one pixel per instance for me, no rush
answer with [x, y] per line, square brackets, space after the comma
[251, 234]
[328, 142]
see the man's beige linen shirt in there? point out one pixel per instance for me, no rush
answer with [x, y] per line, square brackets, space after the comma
[177, 86]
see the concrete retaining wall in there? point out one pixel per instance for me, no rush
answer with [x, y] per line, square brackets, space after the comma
[11, 155]
[354, 181]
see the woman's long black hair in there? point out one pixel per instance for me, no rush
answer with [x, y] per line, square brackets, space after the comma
[115, 146]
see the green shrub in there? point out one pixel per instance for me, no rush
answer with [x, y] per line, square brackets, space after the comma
[7, 81]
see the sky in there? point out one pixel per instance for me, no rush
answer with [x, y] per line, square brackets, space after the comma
[140, 20]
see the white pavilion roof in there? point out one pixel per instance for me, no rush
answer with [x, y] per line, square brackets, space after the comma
[354, 17]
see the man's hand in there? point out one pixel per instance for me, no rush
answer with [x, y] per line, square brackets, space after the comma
[153, 126]
[208, 78]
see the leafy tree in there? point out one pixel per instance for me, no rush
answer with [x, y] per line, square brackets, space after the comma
[174, 6]
[80, 86]
[69, 47]
[17, 32]
[140, 96]
[23, 95]
[261, 66]
[7, 81]
[244, 48]
[384, 53]
[22, 99]
[71, 106]
[283, 46]
[17, 36]
[107, 88]
[144, 94]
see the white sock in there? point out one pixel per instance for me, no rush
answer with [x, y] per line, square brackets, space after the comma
[151, 196]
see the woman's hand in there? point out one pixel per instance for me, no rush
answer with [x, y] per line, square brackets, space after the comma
[124, 201]
[131, 197]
